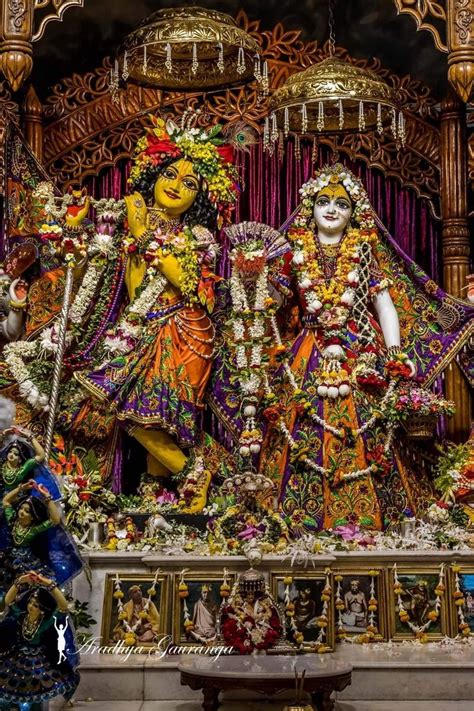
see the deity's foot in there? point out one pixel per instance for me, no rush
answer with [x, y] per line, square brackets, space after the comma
[193, 491]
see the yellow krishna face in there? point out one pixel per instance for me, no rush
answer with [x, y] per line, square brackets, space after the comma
[176, 188]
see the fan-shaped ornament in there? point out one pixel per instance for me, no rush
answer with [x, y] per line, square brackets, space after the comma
[189, 48]
[330, 97]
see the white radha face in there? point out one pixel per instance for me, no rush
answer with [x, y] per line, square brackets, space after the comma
[332, 211]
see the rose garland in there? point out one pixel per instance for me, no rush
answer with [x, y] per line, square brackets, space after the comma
[403, 614]
[243, 632]
[130, 637]
[460, 602]
[372, 632]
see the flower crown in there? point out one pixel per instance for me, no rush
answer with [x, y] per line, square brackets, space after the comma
[211, 157]
[333, 175]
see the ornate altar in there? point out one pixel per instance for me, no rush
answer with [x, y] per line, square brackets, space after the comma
[228, 352]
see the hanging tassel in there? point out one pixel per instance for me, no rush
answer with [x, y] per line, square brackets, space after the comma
[266, 134]
[341, 115]
[265, 82]
[320, 122]
[286, 122]
[304, 119]
[145, 61]
[125, 72]
[220, 61]
[168, 61]
[258, 69]
[379, 119]
[195, 62]
[241, 61]
[393, 124]
[297, 147]
[314, 151]
[361, 116]
[274, 131]
[401, 128]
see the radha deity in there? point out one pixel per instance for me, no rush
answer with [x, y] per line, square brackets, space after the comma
[329, 444]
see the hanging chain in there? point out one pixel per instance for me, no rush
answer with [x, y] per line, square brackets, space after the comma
[332, 36]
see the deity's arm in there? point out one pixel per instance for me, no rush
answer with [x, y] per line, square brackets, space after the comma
[12, 325]
[388, 318]
[170, 268]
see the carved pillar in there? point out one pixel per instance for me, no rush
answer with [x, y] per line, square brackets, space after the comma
[460, 15]
[15, 48]
[455, 233]
[33, 122]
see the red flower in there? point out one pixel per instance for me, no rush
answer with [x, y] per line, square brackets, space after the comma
[226, 152]
[272, 414]
[132, 248]
[159, 145]
[85, 495]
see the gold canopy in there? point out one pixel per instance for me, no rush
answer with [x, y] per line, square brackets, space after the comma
[333, 96]
[188, 48]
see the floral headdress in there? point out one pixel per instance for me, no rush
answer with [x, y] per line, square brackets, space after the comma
[211, 156]
[334, 175]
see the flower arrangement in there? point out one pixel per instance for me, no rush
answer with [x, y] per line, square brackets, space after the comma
[410, 399]
[455, 471]
[211, 157]
[86, 499]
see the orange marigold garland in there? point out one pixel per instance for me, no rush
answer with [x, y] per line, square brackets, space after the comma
[418, 630]
[460, 602]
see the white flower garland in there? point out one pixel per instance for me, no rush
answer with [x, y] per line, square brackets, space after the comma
[14, 354]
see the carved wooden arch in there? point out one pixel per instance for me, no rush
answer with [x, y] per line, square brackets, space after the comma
[85, 131]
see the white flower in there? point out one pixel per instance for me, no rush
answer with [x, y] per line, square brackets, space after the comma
[101, 243]
[305, 282]
[116, 345]
[298, 258]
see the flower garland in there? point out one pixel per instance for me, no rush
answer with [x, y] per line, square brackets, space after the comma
[249, 327]
[320, 645]
[183, 593]
[460, 602]
[372, 631]
[404, 615]
[15, 355]
[244, 632]
[130, 637]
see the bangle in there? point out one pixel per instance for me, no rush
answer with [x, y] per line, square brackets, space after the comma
[394, 351]
[50, 586]
[46, 499]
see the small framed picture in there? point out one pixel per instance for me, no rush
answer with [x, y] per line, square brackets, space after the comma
[135, 609]
[360, 603]
[464, 585]
[423, 608]
[304, 594]
[196, 609]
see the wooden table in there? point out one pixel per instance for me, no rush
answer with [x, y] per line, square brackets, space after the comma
[265, 675]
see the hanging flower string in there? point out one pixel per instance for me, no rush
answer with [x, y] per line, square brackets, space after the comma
[404, 615]
[183, 593]
[297, 636]
[460, 602]
[320, 645]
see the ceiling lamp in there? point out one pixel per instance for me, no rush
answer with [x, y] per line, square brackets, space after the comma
[189, 48]
[330, 97]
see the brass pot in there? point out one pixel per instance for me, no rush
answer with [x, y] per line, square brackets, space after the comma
[299, 707]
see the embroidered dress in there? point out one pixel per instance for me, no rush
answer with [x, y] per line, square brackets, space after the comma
[159, 382]
[29, 672]
[321, 500]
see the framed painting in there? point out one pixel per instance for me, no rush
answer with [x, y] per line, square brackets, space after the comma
[135, 609]
[461, 587]
[196, 616]
[424, 612]
[360, 603]
[304, 596]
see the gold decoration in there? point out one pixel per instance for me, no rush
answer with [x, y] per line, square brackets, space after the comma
[424, 12]
[86, 132]
[334, 96]
[56, 10]
[188, 48]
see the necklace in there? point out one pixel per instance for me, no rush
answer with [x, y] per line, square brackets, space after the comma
[29, 627]
[156, 219]
[9, 474]
[19, 533]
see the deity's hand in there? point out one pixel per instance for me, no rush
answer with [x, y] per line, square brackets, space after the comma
[412, 367]
[75, 214]
[137, 212]
[18, 290]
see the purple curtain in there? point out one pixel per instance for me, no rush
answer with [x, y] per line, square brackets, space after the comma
[269, 194]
